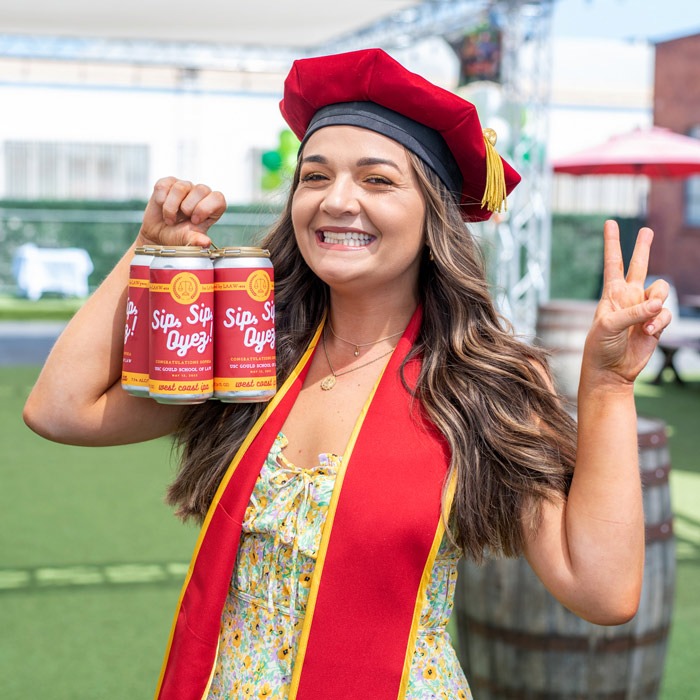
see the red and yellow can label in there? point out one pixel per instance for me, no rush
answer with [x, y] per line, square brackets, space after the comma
[259, 285]
[165, 388]
[181, 333]
[244, 324]
[135, 379]
[184, 288]
[136, 330]
[244, 384]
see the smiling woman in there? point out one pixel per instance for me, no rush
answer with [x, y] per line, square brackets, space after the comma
[358, 218]
[421, 430]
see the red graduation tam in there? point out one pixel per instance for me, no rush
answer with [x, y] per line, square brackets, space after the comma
[368, 88]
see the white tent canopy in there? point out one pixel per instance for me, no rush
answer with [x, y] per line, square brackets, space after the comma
[262, 22]
[261, 36]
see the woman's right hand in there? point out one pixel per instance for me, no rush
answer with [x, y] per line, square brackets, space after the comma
[180, 213]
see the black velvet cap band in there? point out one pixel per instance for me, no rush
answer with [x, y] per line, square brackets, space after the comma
[370, 89]
[421, 140]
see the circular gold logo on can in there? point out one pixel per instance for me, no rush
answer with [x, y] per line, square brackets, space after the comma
[258, 285]
[185, 288]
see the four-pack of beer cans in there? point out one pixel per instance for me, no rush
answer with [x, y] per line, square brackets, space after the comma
[200, 324]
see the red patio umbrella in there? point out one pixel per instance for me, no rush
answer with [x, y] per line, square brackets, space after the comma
[654, 152]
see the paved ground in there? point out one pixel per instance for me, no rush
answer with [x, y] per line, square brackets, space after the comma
[27, 343]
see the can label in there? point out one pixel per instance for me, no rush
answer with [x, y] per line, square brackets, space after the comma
[136, 332]
[244, 360]
[181, 332]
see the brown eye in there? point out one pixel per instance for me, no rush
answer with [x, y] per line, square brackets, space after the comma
[379, 180]
[312, 177]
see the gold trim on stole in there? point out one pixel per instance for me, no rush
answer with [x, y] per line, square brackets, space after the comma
[272, 405]
[323, 546]
[423, 588]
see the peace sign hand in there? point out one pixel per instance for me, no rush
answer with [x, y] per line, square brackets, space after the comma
[180, 213]
[629, 319]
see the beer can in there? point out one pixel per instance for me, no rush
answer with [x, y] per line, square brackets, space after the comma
[181, 302]
[245, 365]
[135, 365]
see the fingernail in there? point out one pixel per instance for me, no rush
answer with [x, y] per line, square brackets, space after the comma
[650, 328]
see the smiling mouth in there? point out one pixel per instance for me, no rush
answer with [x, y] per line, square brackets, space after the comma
[352, 239]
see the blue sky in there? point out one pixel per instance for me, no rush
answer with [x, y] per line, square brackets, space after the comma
[653, 20]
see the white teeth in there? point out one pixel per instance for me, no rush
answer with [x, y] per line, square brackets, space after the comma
[348, 238]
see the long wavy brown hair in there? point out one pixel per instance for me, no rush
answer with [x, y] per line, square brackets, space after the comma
[512, 441]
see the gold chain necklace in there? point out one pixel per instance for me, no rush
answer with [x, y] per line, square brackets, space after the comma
[361, 345]
[329, 382]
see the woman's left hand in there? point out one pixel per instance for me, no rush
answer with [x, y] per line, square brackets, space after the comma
[629, 319]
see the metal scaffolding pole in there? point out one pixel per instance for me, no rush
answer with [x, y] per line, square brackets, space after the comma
[523, 237]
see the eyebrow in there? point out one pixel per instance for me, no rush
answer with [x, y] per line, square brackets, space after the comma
[362, 162]
[377, 161]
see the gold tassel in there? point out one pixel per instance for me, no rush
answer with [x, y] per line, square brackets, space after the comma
[494, 198]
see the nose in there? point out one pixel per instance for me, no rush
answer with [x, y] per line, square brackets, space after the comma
[341, 197]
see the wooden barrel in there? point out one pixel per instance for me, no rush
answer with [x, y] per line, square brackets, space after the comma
[517, 642]
[562, 326]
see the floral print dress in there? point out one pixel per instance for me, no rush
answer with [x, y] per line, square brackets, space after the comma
[264, 610]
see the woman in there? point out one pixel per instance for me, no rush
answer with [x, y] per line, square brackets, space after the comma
[411, 427]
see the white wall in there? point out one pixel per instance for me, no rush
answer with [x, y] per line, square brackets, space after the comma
[206, 135]
[600, 88]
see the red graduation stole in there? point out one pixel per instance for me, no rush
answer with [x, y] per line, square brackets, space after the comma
[379, 543]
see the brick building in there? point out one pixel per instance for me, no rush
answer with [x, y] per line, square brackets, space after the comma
[674, 205]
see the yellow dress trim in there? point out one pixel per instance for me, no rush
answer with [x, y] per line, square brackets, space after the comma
[423, 589]
[323, 546]
[224, 482]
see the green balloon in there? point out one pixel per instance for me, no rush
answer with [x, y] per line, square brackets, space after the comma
[289, 163]
[272, 160]
[289, 144]
[271, 181]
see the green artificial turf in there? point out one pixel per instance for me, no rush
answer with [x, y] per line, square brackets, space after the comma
[679, 407]
[44, 309]
[91, 561]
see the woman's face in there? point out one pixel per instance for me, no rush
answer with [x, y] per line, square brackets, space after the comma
[358, 212]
